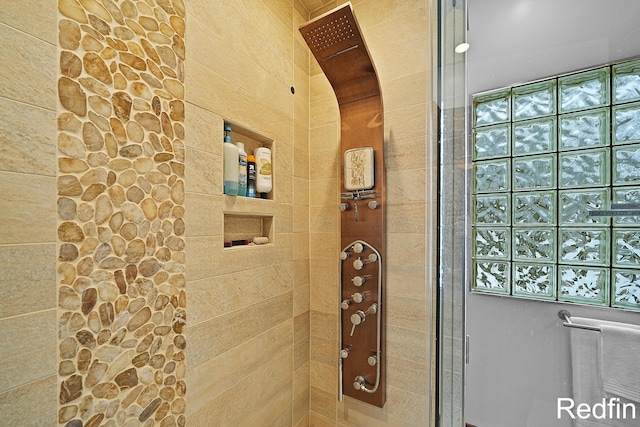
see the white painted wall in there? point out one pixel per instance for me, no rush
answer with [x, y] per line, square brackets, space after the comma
[519, 352]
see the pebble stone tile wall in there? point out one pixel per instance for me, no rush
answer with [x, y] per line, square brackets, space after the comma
[121, 246]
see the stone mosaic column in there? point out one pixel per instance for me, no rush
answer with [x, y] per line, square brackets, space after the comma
[121, 252]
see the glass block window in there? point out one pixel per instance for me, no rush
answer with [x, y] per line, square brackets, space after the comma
[556, 169]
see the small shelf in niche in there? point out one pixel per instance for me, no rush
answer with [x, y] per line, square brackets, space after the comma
[241, 228]
[253, 140]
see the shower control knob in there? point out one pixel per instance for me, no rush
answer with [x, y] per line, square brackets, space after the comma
[344, 353]
[343, 206]
[373, 204]
[358, 280]
[345, 304]
[372, 257]
[372, 360]
[358, 248]
[359, 383]
[358, 317]
[344, 255]
[357, 297]
[358, 264]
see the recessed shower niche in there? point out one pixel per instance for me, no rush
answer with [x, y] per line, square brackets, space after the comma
[337, 44]
[246, 218]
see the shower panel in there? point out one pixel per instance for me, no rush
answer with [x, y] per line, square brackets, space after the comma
[337, 44]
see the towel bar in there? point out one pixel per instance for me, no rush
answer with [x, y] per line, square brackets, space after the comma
[566, 316]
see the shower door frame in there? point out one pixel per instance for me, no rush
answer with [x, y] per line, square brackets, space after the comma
[451, 101]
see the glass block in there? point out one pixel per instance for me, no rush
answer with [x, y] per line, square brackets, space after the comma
[626, 123]
[534, 172]
[584, 129]
[626, 165]
[584, 246]
[626, 82]
[534, 136]
[534, 244]
[589, 89]
[584, 168]
[492, 277]
[534, 208]
[626, 248]
[491, 176]
[626, 289]
[492, 107]
[628, 195]
[494, 242]
[492, 209]
[492, 141]
[588, 285]
[534, 100]
[534, 281]
[574, 206]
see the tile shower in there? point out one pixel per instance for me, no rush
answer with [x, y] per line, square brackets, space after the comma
[550, 161]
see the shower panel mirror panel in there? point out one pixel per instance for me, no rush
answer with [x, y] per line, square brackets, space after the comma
[337, 44]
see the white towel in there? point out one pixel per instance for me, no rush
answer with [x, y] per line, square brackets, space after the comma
[586, 361]
[619, 360]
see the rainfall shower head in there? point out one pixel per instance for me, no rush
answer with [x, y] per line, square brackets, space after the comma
[332, 36]
[337, 44]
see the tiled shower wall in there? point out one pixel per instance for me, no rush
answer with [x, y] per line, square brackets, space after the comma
[248, 334]
[28, 333]
[232, 71]
[398, 38]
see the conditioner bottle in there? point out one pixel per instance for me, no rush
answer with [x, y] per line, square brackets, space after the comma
[263, 171]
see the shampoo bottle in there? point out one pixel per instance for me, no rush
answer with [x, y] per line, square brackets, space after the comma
[242, 170]
[251, 176]
[263, 171]
[230, 160]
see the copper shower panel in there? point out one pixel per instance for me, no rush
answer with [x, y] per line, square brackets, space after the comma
[336, 42]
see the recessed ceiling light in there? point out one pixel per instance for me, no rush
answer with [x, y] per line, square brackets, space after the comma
[462, 47]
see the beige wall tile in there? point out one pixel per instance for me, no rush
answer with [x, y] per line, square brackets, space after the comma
[202, 215]
[206, 130]
[324, 112]
[213, 337]
[324, 298]
[323, 377]
[251, 396]
[301, 299]
[324, 192]
[301, 246]
[30, 354]
[324, 219]
[408, 375]
[28, 78]
[324, 350]
[301, 218]
[273, 53]
[406, 217]
[324, 139]
[301, 394]
[324, 271]
[301, 353]
[324, 325]
[407, 406]
[406, 91]
[407, 281]
[406, 186]
[301, 274]
[33, 17]
[408, 344]
[406, 250]
[409, 29]
[301, 191]
[35, 400]
[27, 139]
[317, 420]
[219, 295]
[29, 207]
[406, 123]
[203, 172]
[29, 275]
[323, 245]
[301, 164]
[214, 377]
[407, 312]
[322, 402]
[407, 153]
